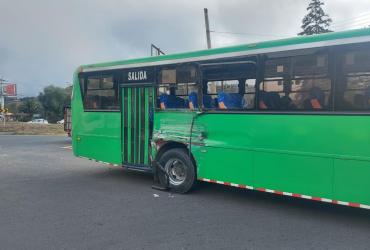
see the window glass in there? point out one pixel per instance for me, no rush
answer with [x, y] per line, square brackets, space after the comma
[100, 94]
[82, 85]
[100, 99]
[175, 96]
[249, 96]
[93, 83]
[176, 84]
[227, 86]
[230, 86]
[353, 84]
[271, 91]
[181, 89]
[272, 85]
[310, 65]
[355, 94]
[356, 61]
[214, 87]
[296, 83]
[277, 67]
[307, 84]
[106, 83]
[310, 94]
[163, 90]
[192, 88]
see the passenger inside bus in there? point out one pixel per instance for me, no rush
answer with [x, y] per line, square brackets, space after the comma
[193, 101]
[171, 100]
[316, 100]
[269, 100]
[286, 103]
[230, 100]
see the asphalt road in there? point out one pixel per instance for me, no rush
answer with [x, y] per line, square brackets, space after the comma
[52, 200]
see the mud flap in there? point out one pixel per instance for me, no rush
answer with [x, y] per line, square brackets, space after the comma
[158, 168]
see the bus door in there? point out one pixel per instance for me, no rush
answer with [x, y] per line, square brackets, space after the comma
[137, 124]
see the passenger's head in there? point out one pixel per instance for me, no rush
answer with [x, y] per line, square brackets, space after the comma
[317, 97]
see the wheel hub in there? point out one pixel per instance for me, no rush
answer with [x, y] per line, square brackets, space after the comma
[176, 171]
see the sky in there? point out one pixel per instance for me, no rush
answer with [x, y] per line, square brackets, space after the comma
[42, 42]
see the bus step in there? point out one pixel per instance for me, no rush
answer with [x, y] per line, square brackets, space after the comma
[140, 168]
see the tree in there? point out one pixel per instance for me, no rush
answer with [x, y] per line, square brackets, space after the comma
[53, 99]
[316, 21]
[30, 106]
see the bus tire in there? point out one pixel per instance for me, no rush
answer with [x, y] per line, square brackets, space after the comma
[180, 170]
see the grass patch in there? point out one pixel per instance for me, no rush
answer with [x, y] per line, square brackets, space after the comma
[23, 128]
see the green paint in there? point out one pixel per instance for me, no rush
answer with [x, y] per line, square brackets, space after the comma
[316, 155]
[129, 126]
[323, 156]
[122, 91]
[146, 139]
[139, 125]
[135, 126]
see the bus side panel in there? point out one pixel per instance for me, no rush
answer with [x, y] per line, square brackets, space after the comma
[315, 155]
[96, 135]
[235, 167]
[294, 173]
[174, 126]
[352, 181]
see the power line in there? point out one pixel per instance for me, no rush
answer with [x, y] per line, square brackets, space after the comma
[364, 19]
[360, 16]
[353, 23]
[247, 34]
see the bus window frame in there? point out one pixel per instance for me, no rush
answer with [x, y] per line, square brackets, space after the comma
[290, 77]
[338, 53]
[226, 61]
[100, 74]
[158, 84]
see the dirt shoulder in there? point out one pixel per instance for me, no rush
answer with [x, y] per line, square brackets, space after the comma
[23, 128]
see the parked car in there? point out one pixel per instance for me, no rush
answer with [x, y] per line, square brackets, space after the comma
[61, 121]
[39, 121]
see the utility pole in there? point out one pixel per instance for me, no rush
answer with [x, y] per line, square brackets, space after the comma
[208, 32]
[2, 98]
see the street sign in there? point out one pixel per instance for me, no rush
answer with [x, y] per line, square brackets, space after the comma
[4, 110]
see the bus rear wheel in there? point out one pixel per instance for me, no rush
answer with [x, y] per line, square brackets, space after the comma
[180, 170]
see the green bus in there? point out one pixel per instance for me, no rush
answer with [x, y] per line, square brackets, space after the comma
[290, 116]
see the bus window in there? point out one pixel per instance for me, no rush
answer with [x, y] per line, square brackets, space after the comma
[224, 94]
[100, 94]
[271, 90]
[296, 83]
[227, 86]
[175, 96]
[310, 86]
[310, 94]
[175, 87]
[249, 93]
[353, 87]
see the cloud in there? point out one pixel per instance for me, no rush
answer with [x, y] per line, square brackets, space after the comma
[43, 41]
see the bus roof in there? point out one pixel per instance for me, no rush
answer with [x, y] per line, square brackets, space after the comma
[301, 42]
